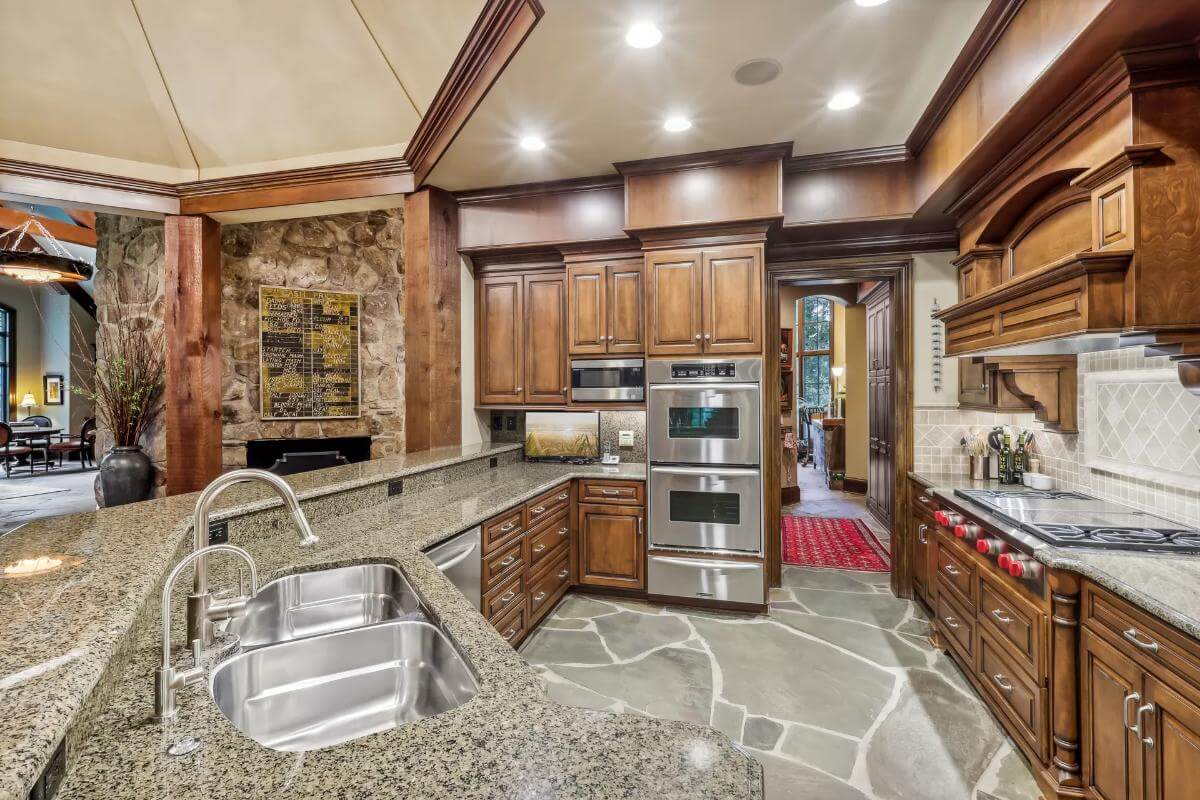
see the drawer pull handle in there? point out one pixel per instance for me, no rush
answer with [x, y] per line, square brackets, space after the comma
[539, 597]
[508, 527]
[610, 492]
[563, 531]
[562, 496]
[951, 570]
[923, 499]
[539, 509]
[1140, 729]
[510, 634]
[563, 574]
[508, 562]
[539, 548]
[1004, 685]
[1001, 617]
[953, 625]
[509, 596]
[921, 536]
[1149, 645]
[1130, 699]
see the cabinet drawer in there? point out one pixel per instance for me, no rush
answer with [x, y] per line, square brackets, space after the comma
[502, 564]
[545, 505]
[513, 626]
[1009, 619]
[622, 493]
[545, 540]
[499, 531]
[1136, 633]
[957, 571]
[924, 503]
[500, 601]
[1020, 699]
[956, 626]
[550, 585]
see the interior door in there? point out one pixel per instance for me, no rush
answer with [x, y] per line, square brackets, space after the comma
[1110, 693]
[733, 300]
[673, 315]
[626, 330]
[501, 346]
[587, 313]
[547, 378]
[1172, 756]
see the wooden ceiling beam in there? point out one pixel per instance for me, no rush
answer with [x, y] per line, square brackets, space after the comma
[74, 234]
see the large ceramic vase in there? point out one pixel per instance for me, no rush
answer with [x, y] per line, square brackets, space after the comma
[126, 476]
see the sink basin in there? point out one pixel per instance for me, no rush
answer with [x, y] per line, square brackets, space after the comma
[324, 601]
[324, 690]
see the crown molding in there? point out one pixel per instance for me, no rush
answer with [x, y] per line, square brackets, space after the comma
[26, 180]
[865, 156]
[991, 26]
[497, 35]
[709, 158]
[587, 184]
[865, 245]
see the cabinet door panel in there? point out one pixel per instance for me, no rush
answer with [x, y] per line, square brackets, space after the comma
[1172, 762]
[626, 332]
[1111, 753]
[501, 339]
[673, 288]
[733, 300]
[972, 382]
[587, 310]
[546, 376]
[611, 546]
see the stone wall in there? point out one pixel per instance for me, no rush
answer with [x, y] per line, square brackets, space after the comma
[360, 252]
[128, 289]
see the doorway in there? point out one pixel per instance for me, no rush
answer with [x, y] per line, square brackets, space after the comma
[880, 291]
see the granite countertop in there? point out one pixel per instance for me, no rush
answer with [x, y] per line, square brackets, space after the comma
[1164, 585]
[508, 741]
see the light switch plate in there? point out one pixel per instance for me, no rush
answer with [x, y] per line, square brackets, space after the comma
[625, 438]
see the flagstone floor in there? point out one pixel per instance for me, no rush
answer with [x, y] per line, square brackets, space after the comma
[836, 691]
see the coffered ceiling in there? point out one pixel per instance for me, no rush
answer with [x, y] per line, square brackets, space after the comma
[594, 100]
[175, 91]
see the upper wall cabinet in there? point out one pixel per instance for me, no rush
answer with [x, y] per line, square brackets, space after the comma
[704, 301]
[521, 349]
[605, 308]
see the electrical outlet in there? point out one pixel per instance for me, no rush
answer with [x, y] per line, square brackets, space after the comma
[510, 422]
[395, 487]
[625, 438]
[218, 532]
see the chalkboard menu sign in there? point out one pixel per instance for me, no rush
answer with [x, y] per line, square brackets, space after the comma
[308, 353]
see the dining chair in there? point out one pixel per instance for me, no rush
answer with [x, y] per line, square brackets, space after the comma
[9, 451]
[84, 444]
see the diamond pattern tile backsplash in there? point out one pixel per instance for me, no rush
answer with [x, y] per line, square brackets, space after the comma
[1139, 440]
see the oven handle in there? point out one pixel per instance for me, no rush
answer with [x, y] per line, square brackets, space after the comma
[700, 562]
[714, 471]
[690, 387]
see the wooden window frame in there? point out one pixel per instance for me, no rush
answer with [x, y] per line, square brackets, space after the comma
[801, 353]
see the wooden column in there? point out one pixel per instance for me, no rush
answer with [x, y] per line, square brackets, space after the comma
[1065, 767]
[432, 319]
[192, 290]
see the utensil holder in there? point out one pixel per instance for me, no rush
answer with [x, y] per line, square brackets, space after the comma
[980, 468]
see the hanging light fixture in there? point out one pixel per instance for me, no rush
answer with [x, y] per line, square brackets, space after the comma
[42, 265]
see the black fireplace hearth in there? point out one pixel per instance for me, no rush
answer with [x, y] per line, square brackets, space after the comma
[263, 453]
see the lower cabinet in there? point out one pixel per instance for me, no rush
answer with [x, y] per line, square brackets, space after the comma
[612, 549]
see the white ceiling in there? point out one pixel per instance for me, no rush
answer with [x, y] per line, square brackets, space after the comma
[596, 101]
[169, 90]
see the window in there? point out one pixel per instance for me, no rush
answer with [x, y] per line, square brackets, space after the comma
[8, 327]
[815, 322]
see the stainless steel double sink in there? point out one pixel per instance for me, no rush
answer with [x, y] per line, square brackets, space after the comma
[333, 655]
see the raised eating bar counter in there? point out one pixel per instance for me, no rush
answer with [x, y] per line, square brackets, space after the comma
[79, 644]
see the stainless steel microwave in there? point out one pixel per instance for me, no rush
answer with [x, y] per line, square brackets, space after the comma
[608, 380]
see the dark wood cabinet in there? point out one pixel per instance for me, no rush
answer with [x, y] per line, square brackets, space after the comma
[521, 339]
[1172, 765]
[612, 549]
[1110, 685]
[881, 475]
[704, 301]
[605, 308]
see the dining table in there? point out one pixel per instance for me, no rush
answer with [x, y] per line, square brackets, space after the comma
[23, 434]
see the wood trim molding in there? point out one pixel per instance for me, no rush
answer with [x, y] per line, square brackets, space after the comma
[75, 234]
[546, 187]
[869, 245]
[498, 33]
[887, 154]
[83, 188]
[709, 158]
[991, 26]
[1130, 156]
[706, 234]
[1048, 385]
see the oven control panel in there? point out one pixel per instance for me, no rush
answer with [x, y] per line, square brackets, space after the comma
[706, 369]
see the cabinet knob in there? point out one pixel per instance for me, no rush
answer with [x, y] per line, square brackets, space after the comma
[520, 388]
[697, 337]
[564, 390]
[707, 336]
[610, 338]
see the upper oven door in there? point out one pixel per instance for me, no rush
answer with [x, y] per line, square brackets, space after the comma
[705, 423]
[706, 508]
[608, 380]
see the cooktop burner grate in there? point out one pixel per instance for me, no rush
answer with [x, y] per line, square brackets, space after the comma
[1181, 540]
[996, 497]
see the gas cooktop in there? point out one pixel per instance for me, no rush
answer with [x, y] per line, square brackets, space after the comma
[1074, 519]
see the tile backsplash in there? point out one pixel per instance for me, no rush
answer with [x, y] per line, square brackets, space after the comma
[1144, 433]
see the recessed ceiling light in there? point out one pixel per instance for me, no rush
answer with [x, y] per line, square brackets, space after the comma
[757, 72]
[642, 35]
[843, 100]
[532, 143]
[677, 124]
[870, 3]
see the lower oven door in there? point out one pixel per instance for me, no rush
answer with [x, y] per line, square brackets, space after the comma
[721, 579]
[706, 508]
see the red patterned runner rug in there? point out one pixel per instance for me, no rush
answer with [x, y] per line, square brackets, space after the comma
[832, 543]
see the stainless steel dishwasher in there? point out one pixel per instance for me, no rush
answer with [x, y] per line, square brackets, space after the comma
[460, 559]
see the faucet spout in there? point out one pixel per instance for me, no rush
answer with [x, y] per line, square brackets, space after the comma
[200, 602]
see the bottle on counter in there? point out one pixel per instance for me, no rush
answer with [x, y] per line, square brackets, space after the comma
[1019, 460]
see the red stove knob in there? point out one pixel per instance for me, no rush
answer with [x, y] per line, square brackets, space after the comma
[942, 517]
[1005, 561]
[960, 531]
[1016, 568]
[948, 518]
[983, 545]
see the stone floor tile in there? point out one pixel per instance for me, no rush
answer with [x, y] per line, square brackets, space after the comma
[828, 579]
[881, 647]
[629, 634]
[582, 607]
[553, 646]
[825, 751]
[761, 733]
[674, 682]
[787, 780]
[728, 720]
[884, 611]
